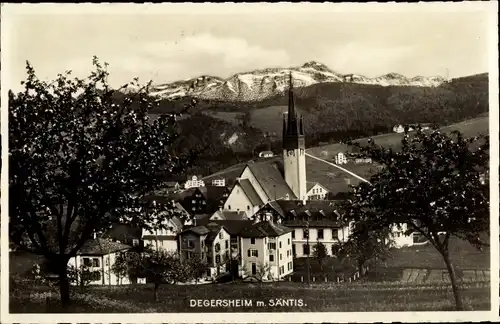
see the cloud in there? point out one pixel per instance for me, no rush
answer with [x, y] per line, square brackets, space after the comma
[195, 55]
[368, 59]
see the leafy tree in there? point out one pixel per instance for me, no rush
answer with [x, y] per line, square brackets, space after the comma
[319, 252]
[435, 185]
[80, 161]
[81, 276]
[367, 242]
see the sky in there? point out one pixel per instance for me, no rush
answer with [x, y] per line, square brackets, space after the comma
[166, 46]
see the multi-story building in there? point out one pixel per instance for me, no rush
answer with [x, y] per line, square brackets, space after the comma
[266, 251]
[194, 182]
[316, 221]
[316, 191]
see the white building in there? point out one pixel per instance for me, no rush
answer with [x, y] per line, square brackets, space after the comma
[266, 154]
[194, 182]
[340, 158]
[320, 217]
[99, 256]
[266, 251]
[219, 182]
[315, 191]
[165, 238]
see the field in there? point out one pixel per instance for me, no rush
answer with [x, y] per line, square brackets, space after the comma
[359, 296]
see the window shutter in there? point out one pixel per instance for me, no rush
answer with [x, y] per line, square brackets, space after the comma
[257, 253]
[249, 252]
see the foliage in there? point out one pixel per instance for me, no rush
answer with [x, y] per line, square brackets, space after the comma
[81, 276]
[436, 184]
[80, 161]
[319, 252]
[262, 273]
[367, 242]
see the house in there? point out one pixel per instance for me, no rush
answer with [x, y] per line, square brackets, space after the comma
[194, 182]
[319, 219]
[266, 154]
[315, 191]
[340, 158]
[164, 238]
[361, 160]
[211, 243]
[99, 256]
[244, 197]
[126, 234]
[398, 129]
[219, 182]
[266, 251]
[204, 200]
[229, 215]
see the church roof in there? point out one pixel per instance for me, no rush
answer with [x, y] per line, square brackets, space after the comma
[249, 190]
[270, 177]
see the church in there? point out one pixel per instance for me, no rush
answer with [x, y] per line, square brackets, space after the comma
[270, 179]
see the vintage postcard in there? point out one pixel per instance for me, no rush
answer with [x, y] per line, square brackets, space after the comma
[264, 163]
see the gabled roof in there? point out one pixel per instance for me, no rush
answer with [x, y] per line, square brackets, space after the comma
[264, 229]
[199, 230]
[319, 213]
[270, 177]
[250, 192]
[102, 246]
[234, 227]
[231, 215]
[311, 184]
[214, 230]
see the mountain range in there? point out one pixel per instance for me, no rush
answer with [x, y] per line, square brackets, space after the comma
[263, 84]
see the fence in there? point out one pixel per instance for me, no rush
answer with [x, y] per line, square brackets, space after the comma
[325, 278]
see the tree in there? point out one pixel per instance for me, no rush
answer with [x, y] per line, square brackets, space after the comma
[80, 160]
[81, 276]
[434, 185]
[367, 242]
[319, 252]
[263, 272]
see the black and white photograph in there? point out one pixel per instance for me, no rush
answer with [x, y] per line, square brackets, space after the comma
[287, 162]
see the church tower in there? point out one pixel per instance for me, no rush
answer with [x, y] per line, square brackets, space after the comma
[294, 158]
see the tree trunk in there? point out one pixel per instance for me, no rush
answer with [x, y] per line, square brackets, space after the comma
[453, 278]
[62, 267]
[156, 291]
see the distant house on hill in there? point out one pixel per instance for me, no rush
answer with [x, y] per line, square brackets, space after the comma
[315, 191]
[411, 128]
[266, 154]
[194, 182]
[98, 256]
[221, 182]
[340, 158]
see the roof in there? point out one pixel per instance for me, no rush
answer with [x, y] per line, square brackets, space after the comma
[123, 232]
[250, 192]
[231, 215]
[234, 227]
[159, 237]
[269, 174]
[213, 229]
[199, 230]
[295, 214]
[264, 229]
[101, 246]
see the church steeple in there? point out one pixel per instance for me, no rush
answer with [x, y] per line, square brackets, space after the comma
[294, 159]
[293, 133]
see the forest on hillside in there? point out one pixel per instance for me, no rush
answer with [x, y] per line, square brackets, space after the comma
[332, 112]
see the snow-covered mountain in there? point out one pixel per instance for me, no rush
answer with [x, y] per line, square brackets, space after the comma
[261, 84]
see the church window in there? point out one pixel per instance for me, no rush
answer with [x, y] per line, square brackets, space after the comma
[229, 207]
[248, 207]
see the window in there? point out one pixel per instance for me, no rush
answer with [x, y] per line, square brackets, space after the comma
[227, 244]
[335, 234]
[282, 269]
[305, 247]
[252, 240]
[271, 257]
[281, 256]
[280, 245]
[217, 258]
[229, 207]
[293, 250]
[288, 241]
[305, 233]
[271, 246]
[254, 269]
[86, 262]
[248, 207]
[135, 242]
[217, 247]
[190, 244]
[220, 235]
[227, 255]
[253, 253]
[293, 234]
[95, 262]
[320, 234]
